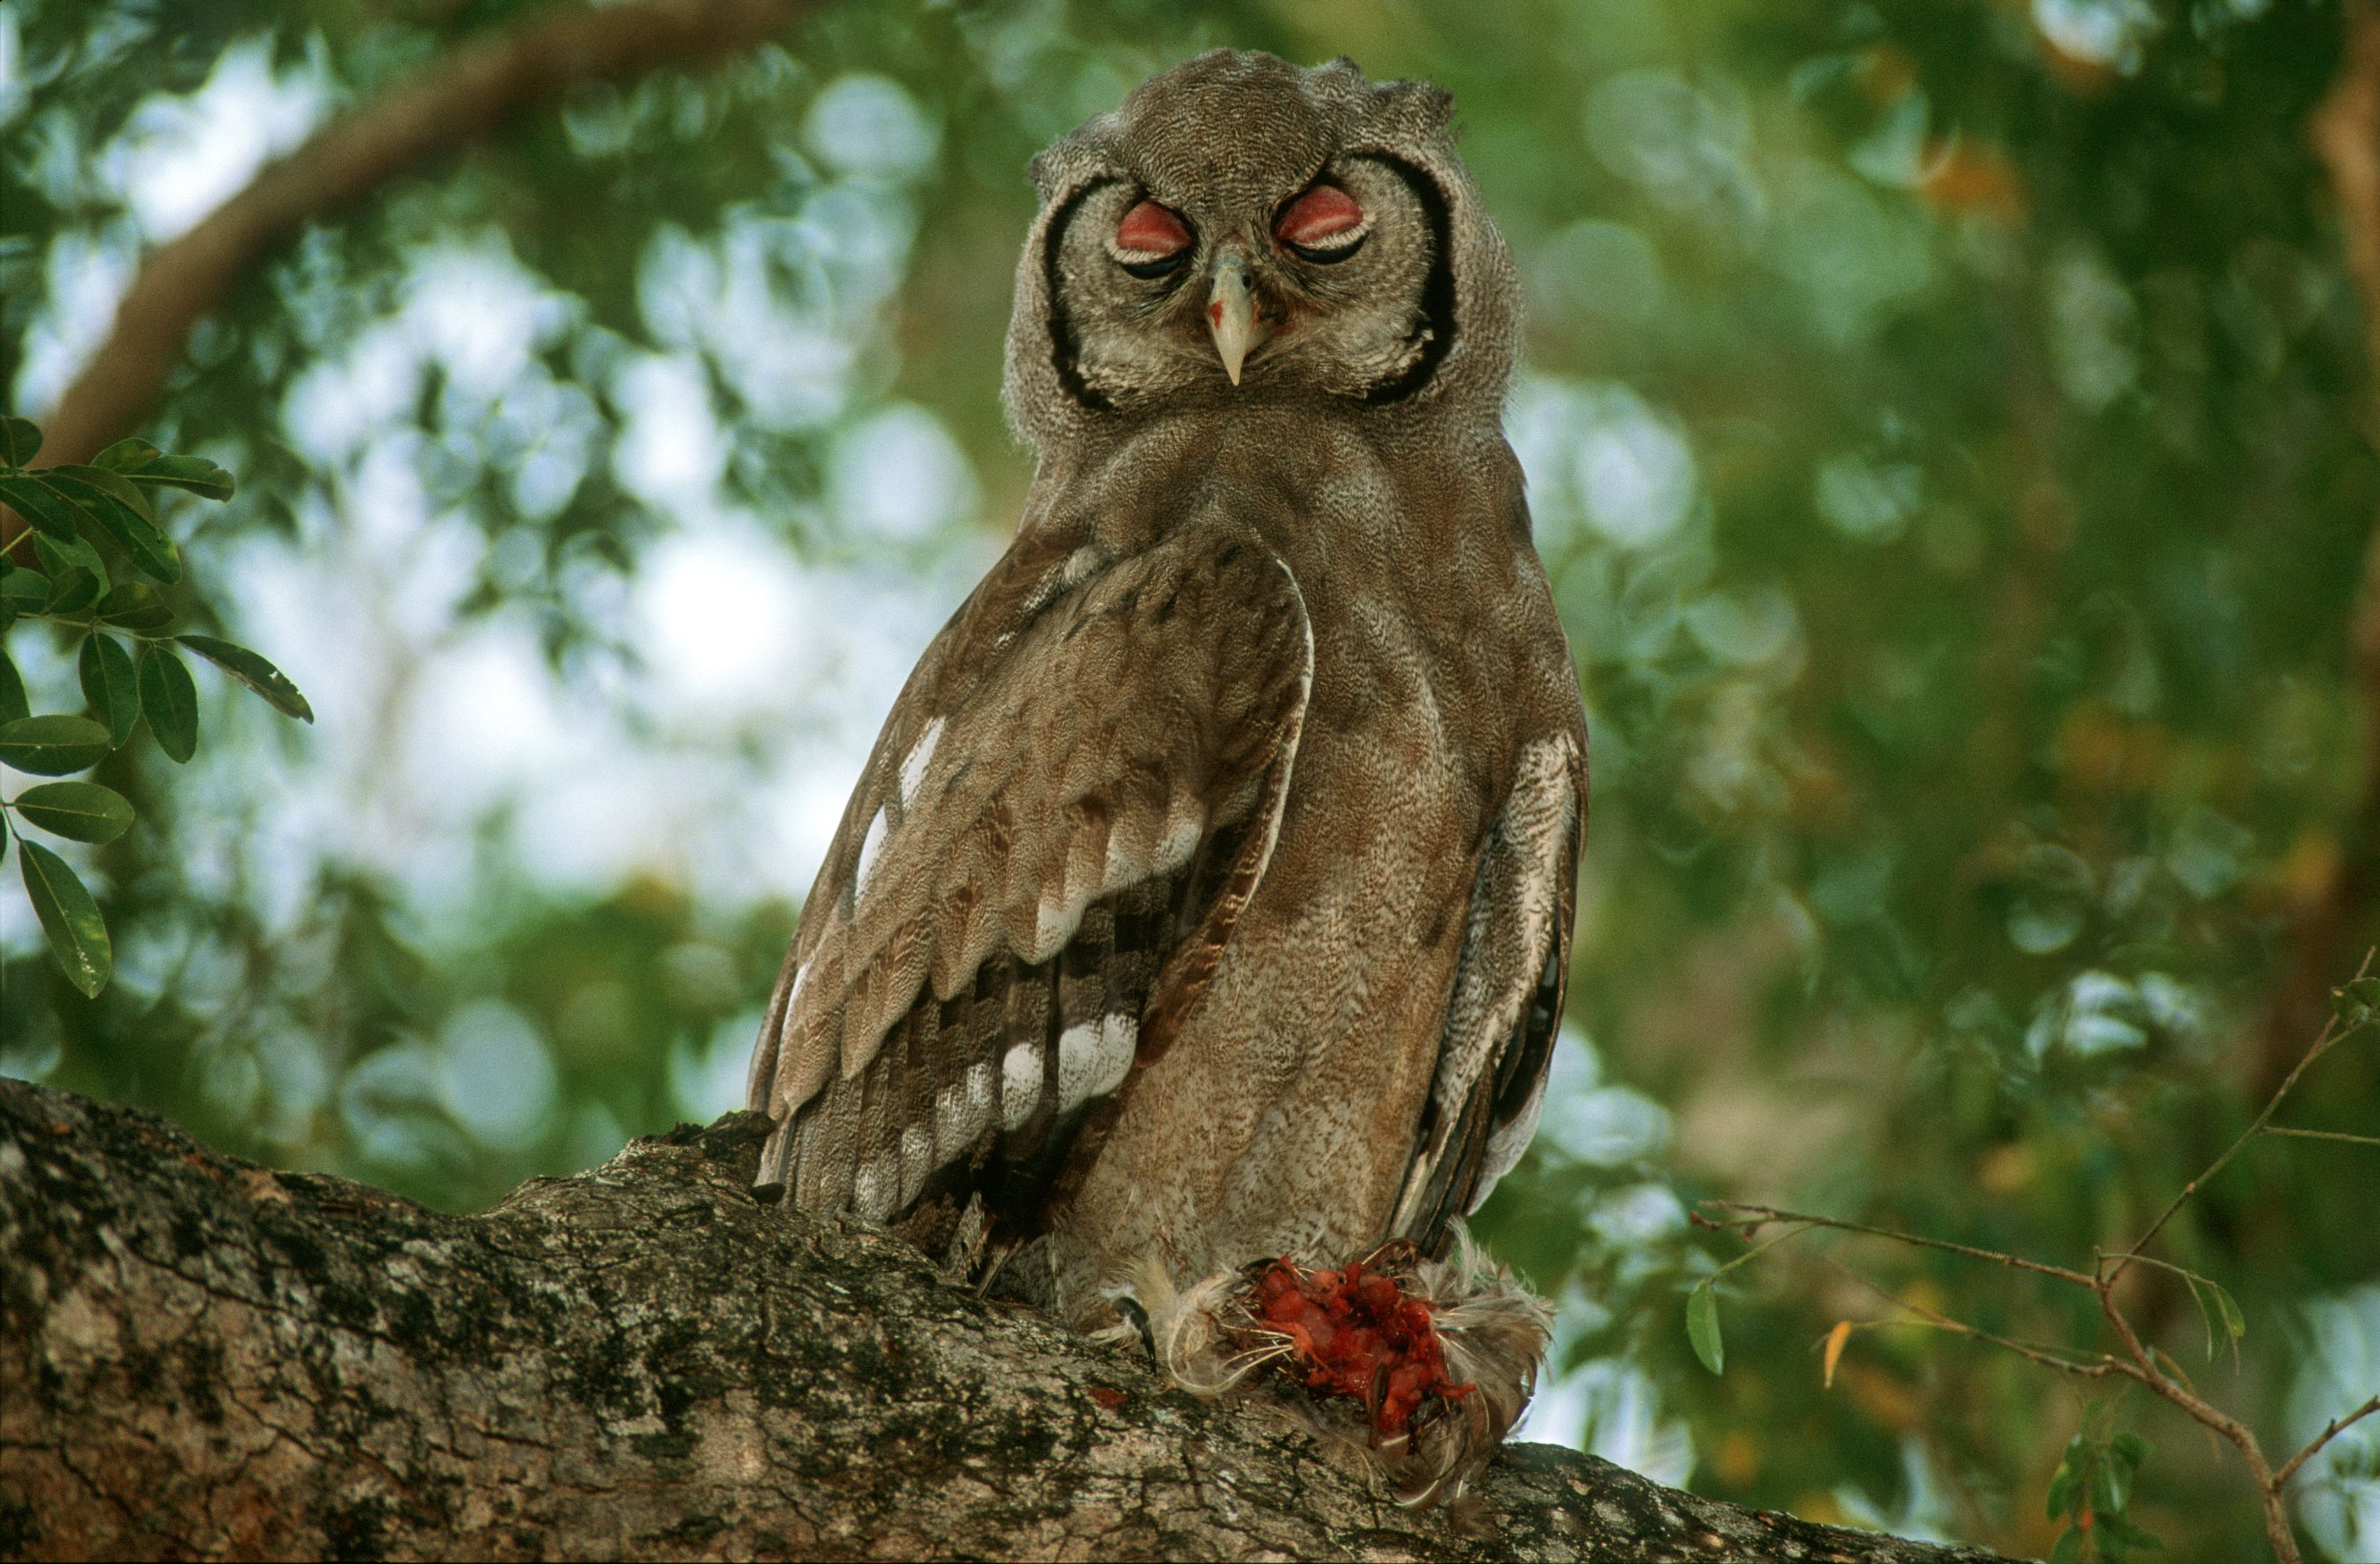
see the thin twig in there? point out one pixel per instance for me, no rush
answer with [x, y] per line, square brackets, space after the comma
[2099, 1367]
[2337, 1427]
[2322, 1134]
[2328, 1038]
[1764, 1213]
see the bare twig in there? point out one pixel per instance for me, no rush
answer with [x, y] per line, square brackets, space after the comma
[2095, 1365]
[2324, 1042]
[2331, 1430]
[1757, 1216]
[2322, 1134]
[449, 104]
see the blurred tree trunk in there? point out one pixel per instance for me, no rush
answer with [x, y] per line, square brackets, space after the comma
[2335, 922]
[201, 1357]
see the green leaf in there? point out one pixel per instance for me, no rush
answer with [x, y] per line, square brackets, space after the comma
[2233, 1321]
[1702, 1327]
[170, 701]
[126, 455]
[196, 474]
[21, 441]
[2215, 1303]
[51, 513]
[2063, 1483]
[2205, 1314]
[115, 485]
[143, 463]
[2123, 1531]
[13, 704]
[2112, 1488]
[108, 684]
[77, 933]
[73, 553]
[2069, 1549]
[2356, 1003]
[24, 590]
[53, 746]
[253, 670]
[2130, 1448]
[72, 591]
[119, 508]
[136, 605]
[78, 811]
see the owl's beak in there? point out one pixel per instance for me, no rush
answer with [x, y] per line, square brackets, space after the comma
[1232, 313]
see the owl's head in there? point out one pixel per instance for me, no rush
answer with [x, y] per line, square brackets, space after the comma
[1243, 229]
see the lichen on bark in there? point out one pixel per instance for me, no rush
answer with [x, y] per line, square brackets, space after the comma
[203, 1357]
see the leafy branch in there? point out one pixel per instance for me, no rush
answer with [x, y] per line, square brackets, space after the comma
[2091, 1490]
[130, 663]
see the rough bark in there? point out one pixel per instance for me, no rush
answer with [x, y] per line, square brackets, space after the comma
[201, 1357]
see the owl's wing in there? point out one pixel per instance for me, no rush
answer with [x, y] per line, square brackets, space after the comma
[1069, 804]
[1506, 1003]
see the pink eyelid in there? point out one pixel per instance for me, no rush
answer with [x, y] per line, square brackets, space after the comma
[1320, 213]
[1150, 229]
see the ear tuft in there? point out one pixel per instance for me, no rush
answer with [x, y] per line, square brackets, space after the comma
[1426, 103]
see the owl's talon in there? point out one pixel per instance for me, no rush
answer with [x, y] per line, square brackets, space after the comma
[1422, 1364]
[1135, 1319]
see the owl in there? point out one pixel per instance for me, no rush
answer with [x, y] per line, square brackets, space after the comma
[1205, 906]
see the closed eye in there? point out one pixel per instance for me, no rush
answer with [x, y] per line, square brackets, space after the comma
[1329, 257]
[1324, 226]
[1151, 240]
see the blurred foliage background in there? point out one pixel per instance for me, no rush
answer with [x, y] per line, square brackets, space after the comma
[1947, 424]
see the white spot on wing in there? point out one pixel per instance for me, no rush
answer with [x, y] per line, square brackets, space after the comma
[793, 1004]
[962, 1111]
[1506, 1145]
[1054, 924]
[1184, 821]
[921, 755]
[869, 847]
[1094, 1058]
[1020, 1085]
[917, 1160]
[1120, 863]
[874, 1187]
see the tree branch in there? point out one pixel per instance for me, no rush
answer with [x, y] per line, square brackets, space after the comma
[1759, 1216]
[2066, 1360]
[199, 1356]
[453, 101]
[2323, 1043]
[2330, 1431]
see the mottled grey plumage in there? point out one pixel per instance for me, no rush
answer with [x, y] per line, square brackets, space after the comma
[1207, 896]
